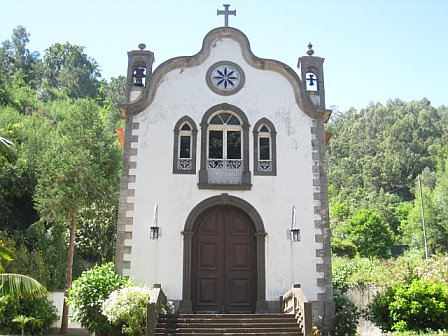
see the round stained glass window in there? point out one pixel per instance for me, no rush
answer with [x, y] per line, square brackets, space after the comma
[225, 78]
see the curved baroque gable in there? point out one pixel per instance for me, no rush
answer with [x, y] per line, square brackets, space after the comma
[301, 97]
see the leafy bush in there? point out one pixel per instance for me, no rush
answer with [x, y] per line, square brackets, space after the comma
[434, 268]
[52, 242]
[341, 276]
[347, 315]
[417, 306]
[29, 263]
[88, 293]
[370, 234]
[42, 310]
[343, 248]
[127, 307]
[356, 272]
[362, 272]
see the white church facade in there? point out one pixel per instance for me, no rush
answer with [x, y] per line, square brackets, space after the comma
[224, 186]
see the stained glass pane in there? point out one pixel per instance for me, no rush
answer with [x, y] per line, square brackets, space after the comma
[264, 149]
[186, 127]
[264, 129]
[225, 117]
[215, 148]
[233, 121]
[185, 147]
[234, 145]
[216, 120]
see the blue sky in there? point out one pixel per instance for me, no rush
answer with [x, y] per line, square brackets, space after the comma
[374, 50]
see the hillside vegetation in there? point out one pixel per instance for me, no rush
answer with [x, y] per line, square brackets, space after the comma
[375, 157]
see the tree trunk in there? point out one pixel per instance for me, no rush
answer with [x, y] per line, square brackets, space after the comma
[68, 274]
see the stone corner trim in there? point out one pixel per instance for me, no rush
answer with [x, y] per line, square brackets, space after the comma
[126, 202]
[321, 214]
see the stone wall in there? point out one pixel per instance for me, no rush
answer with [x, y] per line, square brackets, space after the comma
[361, 299]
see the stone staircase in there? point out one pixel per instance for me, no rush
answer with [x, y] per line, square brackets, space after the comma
[228, 324]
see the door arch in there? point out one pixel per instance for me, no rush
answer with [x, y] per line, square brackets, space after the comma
[242, 208]
[224, 262]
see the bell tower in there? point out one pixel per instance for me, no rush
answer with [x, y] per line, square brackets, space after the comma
[312, 74]
[139, 71]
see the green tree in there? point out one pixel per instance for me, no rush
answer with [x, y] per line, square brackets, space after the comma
[384, 147]
[97, 228]
[370, 234]
[111, 96]
[79, 167]
[67, 67]
[17, 167]
[435, 202]
[17, 60]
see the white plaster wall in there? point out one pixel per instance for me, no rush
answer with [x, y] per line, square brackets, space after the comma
[58, 300]
[265, 94]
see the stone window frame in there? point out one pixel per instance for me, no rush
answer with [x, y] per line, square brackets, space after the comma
[246, 174]
[273, 144]
[194, 135]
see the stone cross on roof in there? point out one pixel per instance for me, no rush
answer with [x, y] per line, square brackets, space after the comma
[226, 12]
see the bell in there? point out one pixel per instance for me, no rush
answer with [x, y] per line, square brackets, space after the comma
[139, 74]
[311, 79]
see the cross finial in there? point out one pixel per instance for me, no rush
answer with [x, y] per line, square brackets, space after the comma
[226, 12]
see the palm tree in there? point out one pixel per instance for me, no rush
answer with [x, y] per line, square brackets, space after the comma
[23, 320]
[6, 142]
[17, 284]
[11, 283]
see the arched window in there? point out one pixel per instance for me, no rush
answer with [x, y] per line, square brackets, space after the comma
[265, 151]
[224, 149]
[185, 139]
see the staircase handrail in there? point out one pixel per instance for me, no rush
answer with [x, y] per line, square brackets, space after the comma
[295, 302]
[156, 302]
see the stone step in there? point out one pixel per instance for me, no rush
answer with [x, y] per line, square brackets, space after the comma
[276, 333]
[228, 324]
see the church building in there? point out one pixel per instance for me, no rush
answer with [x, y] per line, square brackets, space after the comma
[224, 184]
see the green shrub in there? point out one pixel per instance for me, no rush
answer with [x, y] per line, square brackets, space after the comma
[347, 315]
[370, 234]
[356, 273]
[435, 268]
[343, 248]
[126, 307]
[417, 306]
[88, 293]
[42, 310]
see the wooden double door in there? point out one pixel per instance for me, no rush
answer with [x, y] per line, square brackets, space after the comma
[224, 262]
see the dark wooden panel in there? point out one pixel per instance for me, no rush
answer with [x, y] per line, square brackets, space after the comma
[207, 255]
[224, 262]
[240, 292]
[240, 256]
[207, 291]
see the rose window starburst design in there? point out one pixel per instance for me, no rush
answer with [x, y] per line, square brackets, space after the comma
[225, 77]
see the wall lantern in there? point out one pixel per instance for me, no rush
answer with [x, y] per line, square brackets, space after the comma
[154, 228]
[295, 231]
